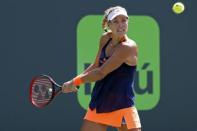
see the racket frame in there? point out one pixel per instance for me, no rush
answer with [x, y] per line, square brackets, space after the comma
[54, 91]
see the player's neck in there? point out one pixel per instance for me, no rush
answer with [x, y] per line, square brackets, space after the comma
[118, 39]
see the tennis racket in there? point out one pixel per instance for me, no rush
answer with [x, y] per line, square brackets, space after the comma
[43, 89]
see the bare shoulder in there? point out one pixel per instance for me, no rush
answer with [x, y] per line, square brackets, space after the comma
[128, 45]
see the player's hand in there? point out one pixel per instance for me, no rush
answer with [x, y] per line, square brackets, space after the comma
[69, 87]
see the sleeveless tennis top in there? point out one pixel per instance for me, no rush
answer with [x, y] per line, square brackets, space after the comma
[114, 91]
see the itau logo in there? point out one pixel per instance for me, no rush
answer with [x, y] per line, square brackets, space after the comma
[144, 30]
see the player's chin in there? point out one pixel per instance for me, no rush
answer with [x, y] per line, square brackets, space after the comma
[120, 34]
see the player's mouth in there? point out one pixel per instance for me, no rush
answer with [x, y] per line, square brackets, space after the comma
[120, 30]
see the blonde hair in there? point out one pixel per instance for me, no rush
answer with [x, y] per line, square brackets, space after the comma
[106, 13]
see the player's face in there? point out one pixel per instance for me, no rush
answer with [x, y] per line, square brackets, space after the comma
[119, 25]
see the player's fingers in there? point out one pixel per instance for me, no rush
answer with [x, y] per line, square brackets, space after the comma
[75, 89]
[65, 90]
[69, 89]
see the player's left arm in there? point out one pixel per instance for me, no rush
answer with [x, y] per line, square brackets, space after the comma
[120, 55]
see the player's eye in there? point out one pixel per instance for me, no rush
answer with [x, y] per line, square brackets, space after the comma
[124, 20]
[115, 21]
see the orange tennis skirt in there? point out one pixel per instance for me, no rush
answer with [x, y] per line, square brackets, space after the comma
[128, 116]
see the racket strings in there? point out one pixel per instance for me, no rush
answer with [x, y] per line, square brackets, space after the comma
[41, 91]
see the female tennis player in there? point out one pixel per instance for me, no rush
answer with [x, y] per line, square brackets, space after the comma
[112, 100]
